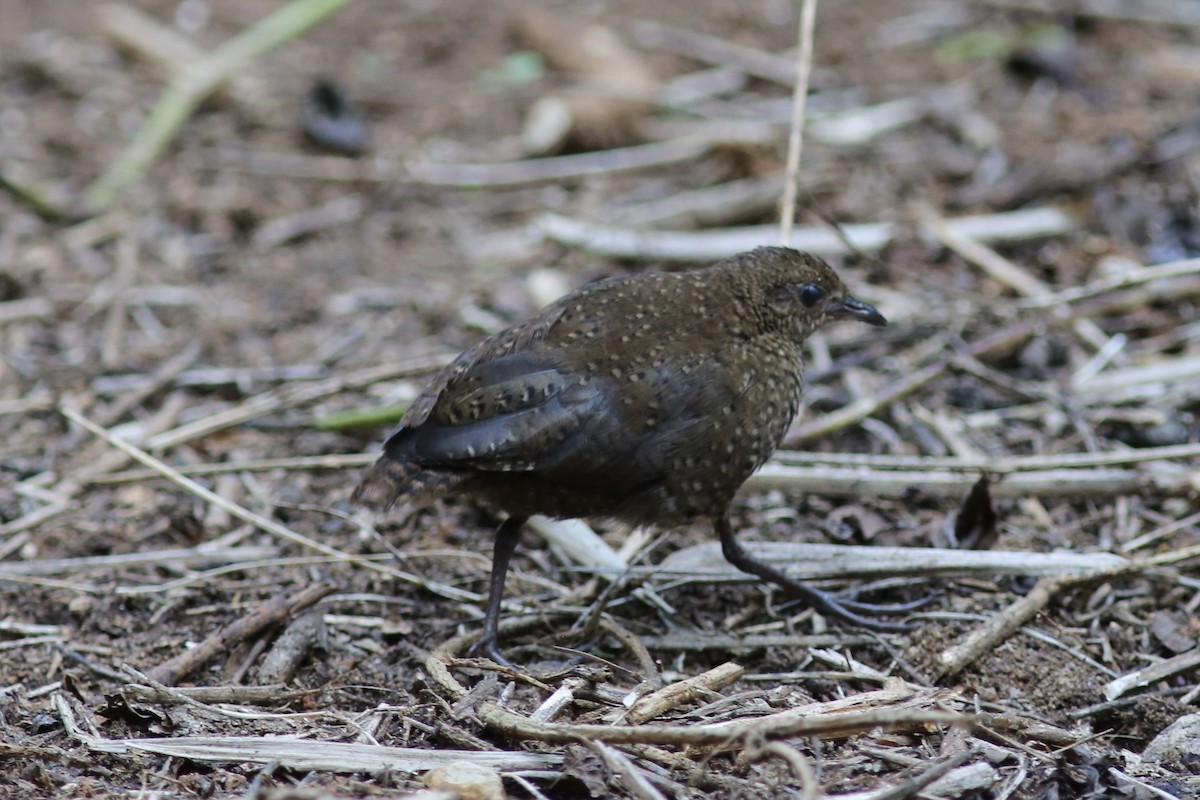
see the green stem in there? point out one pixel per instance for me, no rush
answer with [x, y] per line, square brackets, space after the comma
[360, 418]
[187, 91]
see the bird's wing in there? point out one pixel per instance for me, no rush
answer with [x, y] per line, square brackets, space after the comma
[494, 348]
[517, 412]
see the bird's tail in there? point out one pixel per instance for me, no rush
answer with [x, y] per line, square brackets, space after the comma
[385, 483]
[389, 482]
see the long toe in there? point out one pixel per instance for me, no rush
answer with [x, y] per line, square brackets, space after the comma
[856, 613]
[851, 611]
[489, 647]
[871, 609]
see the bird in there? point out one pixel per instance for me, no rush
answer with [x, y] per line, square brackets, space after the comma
[647, 399]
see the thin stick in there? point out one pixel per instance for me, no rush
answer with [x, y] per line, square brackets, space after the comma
[632, 778]
[270, 613]
[34, 518]
[808, 13]
[1175, 269]
[166, 372]
[711, 50]
[915, 784]
[342, 461]
[1160, 533]
[721, 734]
[797, 763]
[166, 471]
[25, 309]
[982, 640]
[635, 157]
[1153, 673]
[126, 276]
[181, 558]
[705, 246]
[465, 175]
[685, 691]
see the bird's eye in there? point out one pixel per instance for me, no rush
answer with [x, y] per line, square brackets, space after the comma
[811, 294]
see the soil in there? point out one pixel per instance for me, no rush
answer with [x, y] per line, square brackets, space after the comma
[179, 302]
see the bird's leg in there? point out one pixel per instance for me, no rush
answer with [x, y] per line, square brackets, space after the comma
[825, 602]
[506, 541]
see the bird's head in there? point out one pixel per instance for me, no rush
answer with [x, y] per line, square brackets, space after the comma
[803, 292]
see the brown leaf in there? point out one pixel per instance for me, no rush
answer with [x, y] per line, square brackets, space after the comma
[975, 525]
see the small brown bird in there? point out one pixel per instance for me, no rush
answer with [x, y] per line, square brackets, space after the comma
[648, 399]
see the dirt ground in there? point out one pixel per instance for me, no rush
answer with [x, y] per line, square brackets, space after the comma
[252, 299]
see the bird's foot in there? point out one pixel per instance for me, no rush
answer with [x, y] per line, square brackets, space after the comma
[857, 612]
[488, 646]
[853, 611]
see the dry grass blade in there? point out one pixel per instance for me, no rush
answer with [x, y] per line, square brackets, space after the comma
[1161, 671]
[331, 462]
[716, 51]
[501, 174]
[1175, 269]
[308, 755]
[189, 558]
[999, 465]
[257, 520]
[787, 209]
[270, 526]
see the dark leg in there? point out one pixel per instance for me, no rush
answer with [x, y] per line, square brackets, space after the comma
[506, 542]
[825, 602]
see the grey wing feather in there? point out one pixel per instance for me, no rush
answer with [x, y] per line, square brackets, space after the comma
[513, 413]
[494, 347]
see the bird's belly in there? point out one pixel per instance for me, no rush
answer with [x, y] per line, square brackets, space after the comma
[523, 494]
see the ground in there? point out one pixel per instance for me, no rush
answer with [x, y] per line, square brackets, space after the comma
[251, 271]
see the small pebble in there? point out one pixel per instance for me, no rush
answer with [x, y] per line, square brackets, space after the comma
[471, 781]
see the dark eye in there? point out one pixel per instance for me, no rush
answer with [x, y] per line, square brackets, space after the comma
[811, 294]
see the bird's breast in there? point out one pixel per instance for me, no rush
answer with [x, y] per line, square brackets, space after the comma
[713, 455]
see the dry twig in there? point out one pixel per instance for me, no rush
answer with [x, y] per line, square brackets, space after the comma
[707, 246]
[222, 641]
[673, 695]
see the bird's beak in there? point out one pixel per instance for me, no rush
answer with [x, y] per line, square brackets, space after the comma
[853, 308]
